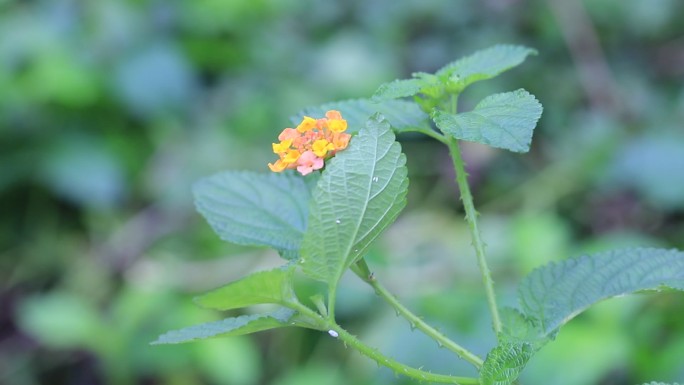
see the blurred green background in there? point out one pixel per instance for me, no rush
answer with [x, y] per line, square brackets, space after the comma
[110, 109]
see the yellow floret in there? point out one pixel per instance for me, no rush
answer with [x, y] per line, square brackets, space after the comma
[307, 124]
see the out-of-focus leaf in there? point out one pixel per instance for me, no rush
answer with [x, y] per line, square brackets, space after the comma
[84, 171]
[60, 320]
[658, 162]
[272, 286]
[402, 115]
[235, 326]
[257, 209]
[155, 80]
[234, 361]
[361, 192]
[504, 120]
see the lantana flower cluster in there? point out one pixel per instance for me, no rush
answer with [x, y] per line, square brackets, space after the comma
[307, 147]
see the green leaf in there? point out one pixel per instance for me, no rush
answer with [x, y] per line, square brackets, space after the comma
[272, 286]
[504, 363]
[484, 64]
[504, 120]
[399, 88]
[360, 193]
[256, 209]
[517, 327]
[402, 115]
[556, 293]
[228, 327]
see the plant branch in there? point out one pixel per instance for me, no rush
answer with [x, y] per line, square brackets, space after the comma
[337, 331]
[431, 133]
[361, 269]
[471, 218]
[396, 366]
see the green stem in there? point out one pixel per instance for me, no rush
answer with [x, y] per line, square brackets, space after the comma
[431, 133]
[396, 366]
[418, 323]
[337, 331]
[478, 244]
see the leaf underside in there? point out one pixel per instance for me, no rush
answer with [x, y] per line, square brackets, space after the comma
[235, 326]
[361, 192]
[257, 209]
[554, 294]
[504, 120]
[402, 115]
[272, 286]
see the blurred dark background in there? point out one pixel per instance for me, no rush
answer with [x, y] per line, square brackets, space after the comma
[110, 109]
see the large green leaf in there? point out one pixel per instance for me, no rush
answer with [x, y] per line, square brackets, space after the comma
[484, 64]
[504, 363]
[256, 209]
[272, 286]
[554, 294]
[361, 192]
[228, 327]
[402, 115]
[399, 88]
[504, 120]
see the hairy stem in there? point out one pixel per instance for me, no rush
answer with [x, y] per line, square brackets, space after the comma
[361, 269]
[396, 366]
[337, 331]
[471, 218]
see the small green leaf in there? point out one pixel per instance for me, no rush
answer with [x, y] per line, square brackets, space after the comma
[399, 88]
[255, 209]
[402, 115]
[484, 64]
[504, 363]
[228, 327]
[272, 286]
[504, 120]
[517, 327]
[361, 192]
[556, 293]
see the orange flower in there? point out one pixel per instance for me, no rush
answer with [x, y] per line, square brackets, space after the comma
[307, 147]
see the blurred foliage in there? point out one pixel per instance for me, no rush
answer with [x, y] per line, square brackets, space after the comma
[109, 110]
